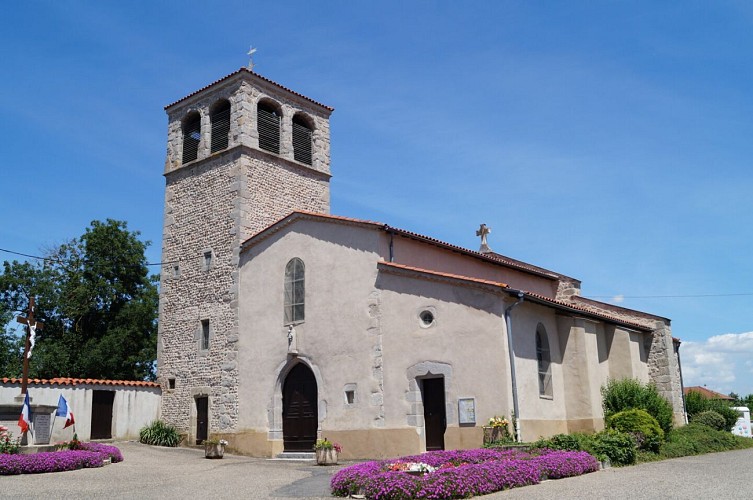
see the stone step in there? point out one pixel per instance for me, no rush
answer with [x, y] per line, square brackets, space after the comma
[296, 455]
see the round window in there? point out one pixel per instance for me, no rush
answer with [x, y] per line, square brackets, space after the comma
[427, 318]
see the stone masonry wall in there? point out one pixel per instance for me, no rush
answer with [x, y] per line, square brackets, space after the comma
[199, 216]
[213, 204]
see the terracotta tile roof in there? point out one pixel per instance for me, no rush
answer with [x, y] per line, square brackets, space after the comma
[495, 258]
[537, 298]
[491, 257]
[605, 305]
[257, 75]
[451, 276]
[277, 226]
[527, 266]
[707, 393]
[571, 306]
[82, 381]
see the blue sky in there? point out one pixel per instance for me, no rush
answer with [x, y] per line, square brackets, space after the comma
[608, 141]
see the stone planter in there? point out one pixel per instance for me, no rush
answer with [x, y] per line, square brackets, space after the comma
[492, 434]
[214, 450]
[326, 456]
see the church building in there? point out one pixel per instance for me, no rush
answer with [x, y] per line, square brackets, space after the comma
[281, 323]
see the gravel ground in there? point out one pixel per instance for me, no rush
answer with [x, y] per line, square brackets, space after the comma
[152, 472]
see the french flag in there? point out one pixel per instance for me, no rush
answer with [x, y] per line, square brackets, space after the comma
[64, 411]
[24, 421]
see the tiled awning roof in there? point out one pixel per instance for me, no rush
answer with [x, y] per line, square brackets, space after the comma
[82, 381]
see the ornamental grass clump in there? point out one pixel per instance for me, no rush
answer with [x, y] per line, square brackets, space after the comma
[159, 433]
[457, 474]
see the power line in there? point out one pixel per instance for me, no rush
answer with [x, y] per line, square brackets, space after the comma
[47, 259]
[671, 296]
[684, 296]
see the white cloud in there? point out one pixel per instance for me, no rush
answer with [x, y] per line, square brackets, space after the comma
[732, 342]
[723, 363]
[617, 299]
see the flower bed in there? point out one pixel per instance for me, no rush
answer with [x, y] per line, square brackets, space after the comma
[458, 474]
[89, 455]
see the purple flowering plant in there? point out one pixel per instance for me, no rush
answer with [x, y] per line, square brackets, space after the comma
[86, 456]
[459, 473]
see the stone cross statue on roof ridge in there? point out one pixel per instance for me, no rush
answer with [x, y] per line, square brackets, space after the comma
[250, 53]
[483, 231]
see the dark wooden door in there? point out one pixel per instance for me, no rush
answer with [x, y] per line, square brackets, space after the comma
[102, 414]
[202, 419]
[435, 418]
[299, 409]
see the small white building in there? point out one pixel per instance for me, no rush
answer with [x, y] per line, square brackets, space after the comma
[102, 409]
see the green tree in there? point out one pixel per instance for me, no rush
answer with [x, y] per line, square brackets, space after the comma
[98, 304]
[747, 401]
[696, 403]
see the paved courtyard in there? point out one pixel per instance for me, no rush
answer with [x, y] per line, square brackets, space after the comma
[152, 472]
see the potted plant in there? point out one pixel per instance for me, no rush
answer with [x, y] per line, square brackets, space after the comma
[326, 451]
[498, 430]
[214, 448]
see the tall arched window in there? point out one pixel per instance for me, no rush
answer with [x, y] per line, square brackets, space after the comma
[268, 123]
[544, 358]
[191, 136]
[302, 133]
[220, 118]
[294, 291]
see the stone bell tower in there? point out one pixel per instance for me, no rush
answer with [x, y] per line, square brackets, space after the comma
[242, 153]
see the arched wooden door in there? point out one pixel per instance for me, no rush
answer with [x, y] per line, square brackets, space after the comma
[299, 409]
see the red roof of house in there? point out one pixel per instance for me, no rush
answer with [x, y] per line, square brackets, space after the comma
[81, 381]
[257, 75]
[707, 393]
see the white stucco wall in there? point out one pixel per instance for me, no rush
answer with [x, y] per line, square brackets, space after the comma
[133, 407]
[362, 332]
[335, 339]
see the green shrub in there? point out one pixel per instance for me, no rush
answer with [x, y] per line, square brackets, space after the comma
[696, 403]
[643, 427]
[696, 439]
[568, 442]
[617, 446]
[628, 394]
[158, 433]
[710, 418]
